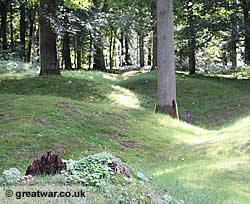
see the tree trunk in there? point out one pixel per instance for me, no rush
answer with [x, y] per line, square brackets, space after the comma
[246, 10]
[32, 16]
[11, 28]
[90, 49]
[4, 7]
[154, 47]
[166, 93]
[234, 37]
[79, 52]
[22, 30]
[66, 52]
[114, 52]
[191, 58]
[192, 38]
[47, 39]
[110, 50]
[141, 47]
[149, 54]
[99, 62]
[127, 53]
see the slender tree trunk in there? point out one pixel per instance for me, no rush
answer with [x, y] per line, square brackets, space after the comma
[79, 52]
[66, 52]
[113, 52]
[47, 39]
[90, 49]
[192, 38]
[110, 50]
[234, 37]
[123, 63]
[22, 29]
[31, 31]
[166, 92]
[127, 53]
[4, 7]
[154, 47]
[191, 57]
[149, 54]
[11, 28]
[246, 10]
[141, 43]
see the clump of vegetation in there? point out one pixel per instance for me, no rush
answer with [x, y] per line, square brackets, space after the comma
[10, 176]
[96, 170]
[15, 66]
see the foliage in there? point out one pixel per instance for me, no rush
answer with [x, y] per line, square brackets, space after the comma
[10, 176]
[92, 170]
[11, 66]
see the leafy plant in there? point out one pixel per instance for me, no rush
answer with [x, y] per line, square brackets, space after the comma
[10, 176]
[94, 170]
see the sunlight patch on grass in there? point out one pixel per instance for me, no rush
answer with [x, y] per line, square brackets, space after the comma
[124, 97]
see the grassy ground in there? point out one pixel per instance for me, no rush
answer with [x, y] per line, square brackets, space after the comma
[86, 112]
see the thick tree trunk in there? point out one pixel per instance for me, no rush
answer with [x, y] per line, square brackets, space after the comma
[22, 30]
[166, 92]
[246, 10]
[127, 53]
[47, 39]
[4, 7]
[66, 52]
[141, 47]
[99, 62]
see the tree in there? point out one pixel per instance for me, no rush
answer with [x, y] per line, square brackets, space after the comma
[166, 93]
[22, 28]
[4, 4]
[246, 10]
[47, 40]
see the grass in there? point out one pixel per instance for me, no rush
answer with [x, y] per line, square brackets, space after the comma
[86, 112]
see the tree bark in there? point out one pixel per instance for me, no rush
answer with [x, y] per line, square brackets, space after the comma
[11, 28]
[192, 38]
[149, 54]
[234, 37]
[110, 50]
[90, 49]
[32, 17]
[79, 52]
[166, 90]
[191, 57]
[127, 53]
[99, 62]
[246, 10]
[47, 39]
[4, 8]
[154, 47]
[66, 51]
[141, 47]
[22, 30]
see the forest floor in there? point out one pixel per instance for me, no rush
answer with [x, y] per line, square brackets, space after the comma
[203, 158]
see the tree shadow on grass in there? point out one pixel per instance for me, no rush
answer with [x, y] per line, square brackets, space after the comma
[68, 87]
